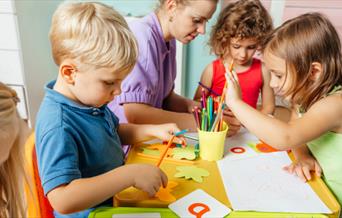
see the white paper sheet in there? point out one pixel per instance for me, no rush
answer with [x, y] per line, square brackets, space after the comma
[241, 139]
[258, 183]
[214, 207]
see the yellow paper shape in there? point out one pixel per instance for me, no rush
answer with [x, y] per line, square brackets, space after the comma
[192, 172]
[184, 153]
[164, 194]
[252, 145]
[159, 147]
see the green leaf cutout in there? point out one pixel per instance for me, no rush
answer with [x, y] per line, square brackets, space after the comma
[184, 153]
[152, 152]
[191, 172]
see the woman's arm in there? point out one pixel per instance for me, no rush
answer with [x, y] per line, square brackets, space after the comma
[133, 133]
[143, 113]
[178, 103]
[267, 94]
[206, 79]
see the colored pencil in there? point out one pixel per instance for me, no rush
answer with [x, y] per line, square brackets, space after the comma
[204, 98]
[207, 88]
[166, 159]
[165, 151]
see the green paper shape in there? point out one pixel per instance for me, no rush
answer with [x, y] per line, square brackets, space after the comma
[152, 152]
[184, 153]
[252, 145]
[192, 172]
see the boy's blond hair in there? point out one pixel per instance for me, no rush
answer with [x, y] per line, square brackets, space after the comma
[92, 33]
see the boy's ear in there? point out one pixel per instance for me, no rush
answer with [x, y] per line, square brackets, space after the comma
[316, 71]
[68, 72]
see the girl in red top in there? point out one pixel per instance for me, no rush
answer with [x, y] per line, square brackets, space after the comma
[236, 36]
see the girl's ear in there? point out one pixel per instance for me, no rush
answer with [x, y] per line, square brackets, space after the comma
[68, 71]
[316, 71]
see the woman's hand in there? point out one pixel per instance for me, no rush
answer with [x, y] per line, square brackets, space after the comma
[165, 132]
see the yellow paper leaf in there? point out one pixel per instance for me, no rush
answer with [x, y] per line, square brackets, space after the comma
[164, 194]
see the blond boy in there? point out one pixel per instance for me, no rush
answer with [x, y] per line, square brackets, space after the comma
[78, 139]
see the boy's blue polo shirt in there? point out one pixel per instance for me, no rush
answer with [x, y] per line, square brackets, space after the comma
[74, 141]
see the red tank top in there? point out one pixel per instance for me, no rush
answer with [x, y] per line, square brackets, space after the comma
[250, 81]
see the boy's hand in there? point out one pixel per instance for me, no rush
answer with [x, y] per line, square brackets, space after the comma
[148, 178]
[303, 167]
[165, 132]
[233, 92]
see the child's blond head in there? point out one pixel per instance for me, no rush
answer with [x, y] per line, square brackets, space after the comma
[302, 41]
[12, 136]
[241, 19]
[92, 33]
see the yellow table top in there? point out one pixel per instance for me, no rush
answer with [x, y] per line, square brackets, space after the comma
[212, 184]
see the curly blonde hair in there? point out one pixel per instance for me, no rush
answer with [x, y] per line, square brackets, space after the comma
[241, 19]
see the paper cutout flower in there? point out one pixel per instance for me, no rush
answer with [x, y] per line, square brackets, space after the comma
[265, 148]
[261, 147]
[192, 172]
[150, 152]
[160, 148]
[164, 194]
[184, 153]
[155, 150]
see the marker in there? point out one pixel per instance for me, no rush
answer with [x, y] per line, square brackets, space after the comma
[190, 137]
[181, 132]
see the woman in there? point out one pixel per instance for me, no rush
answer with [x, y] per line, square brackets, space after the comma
[147, 92]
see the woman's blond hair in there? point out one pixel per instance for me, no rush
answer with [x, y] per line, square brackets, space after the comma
[12, 134]
[179, 2]
[241, 19]
[92, 33]
[301, 41]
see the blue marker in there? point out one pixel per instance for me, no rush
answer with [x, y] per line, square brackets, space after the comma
[181, 132]
[190, 137]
